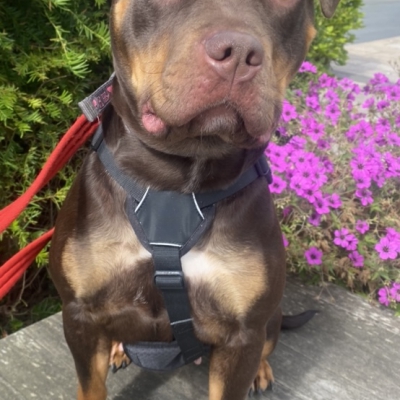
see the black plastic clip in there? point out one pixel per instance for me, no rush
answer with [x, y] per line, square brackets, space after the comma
[169, 280]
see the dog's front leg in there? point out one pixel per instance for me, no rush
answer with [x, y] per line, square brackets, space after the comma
[91, 353]
[234, 365]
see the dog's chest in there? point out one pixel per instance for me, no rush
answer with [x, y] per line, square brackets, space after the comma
[232, 279]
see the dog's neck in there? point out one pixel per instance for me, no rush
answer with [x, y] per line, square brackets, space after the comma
[163, 171]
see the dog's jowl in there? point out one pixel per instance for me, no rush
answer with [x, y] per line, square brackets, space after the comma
[169, 234]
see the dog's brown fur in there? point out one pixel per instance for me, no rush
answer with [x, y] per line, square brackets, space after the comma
[213, 128]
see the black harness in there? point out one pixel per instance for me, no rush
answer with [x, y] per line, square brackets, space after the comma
[168, 224]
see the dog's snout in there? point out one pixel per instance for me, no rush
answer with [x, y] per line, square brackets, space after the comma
[234, 55]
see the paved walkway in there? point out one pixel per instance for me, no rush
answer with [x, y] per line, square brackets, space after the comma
[377, 45]
[349, 351]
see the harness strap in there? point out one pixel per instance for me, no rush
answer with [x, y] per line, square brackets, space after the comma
[168, 277]
[259, 169]
[168, 224]
[127, 183]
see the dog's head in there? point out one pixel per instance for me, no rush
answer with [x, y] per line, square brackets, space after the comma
[194, 74]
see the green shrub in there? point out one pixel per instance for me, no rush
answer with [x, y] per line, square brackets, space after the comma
[334, 33]
[53, 53]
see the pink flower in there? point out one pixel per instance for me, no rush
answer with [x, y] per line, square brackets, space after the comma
[386, 249]
[341, 237]
[395, 292]
[379, 78]
[285, 241]
[382, 104]
[369, 103]
[314, 219]
[392, 234]
[348, 84]
[312, 103]
[288, 112]
[278, 185]
[320, 204]
[352, 242]
[332, 111]
[310, 193]
[383, 295]
[313, 256]
[308, 67]
[323, 144]
[334, 201]
[362, 179]
[357, 259]
[362, 226]
[365, 196]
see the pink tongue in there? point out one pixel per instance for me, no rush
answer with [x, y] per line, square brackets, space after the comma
[152, 123]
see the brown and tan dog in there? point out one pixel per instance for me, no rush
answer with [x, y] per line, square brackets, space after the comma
[197, 95]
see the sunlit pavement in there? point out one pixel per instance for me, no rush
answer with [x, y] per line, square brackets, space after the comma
[377, 45]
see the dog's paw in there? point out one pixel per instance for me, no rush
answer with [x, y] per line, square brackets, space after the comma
[118, 358]
[263, 380]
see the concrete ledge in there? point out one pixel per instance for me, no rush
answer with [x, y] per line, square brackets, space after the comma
[350, 351]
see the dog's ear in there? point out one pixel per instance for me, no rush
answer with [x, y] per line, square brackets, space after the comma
[329, 7]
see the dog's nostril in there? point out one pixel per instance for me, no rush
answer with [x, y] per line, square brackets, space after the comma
[228, 53]
[219, 52]
[234, 55]
[254, 58]
[234, 48]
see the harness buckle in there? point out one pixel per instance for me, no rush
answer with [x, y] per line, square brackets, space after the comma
[169, 280]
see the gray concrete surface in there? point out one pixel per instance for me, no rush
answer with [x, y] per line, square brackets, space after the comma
[349, 351]
[377, 45]
[381, 21]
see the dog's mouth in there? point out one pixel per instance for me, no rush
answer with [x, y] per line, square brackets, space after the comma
[213, 119]
[222, 118]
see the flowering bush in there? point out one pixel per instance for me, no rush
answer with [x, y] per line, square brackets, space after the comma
[333, 34]
[337, 182]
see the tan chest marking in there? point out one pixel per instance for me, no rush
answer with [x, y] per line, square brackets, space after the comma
[237, 278]
[99, 257]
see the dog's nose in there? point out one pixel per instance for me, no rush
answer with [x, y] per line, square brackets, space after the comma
[234, 55]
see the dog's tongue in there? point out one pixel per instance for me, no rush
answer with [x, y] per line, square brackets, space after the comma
[151, 122]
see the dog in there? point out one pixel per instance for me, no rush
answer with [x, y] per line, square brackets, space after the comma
[196, 97]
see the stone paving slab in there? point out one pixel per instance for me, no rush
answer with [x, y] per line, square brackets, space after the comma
[366, 59]
[381, 20]
[350, 350]
[377, 44]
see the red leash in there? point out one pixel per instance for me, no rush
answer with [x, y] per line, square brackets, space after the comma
[14, 268]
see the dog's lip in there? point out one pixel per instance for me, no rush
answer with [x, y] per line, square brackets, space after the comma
[156, 126]
[231, 112]
[151, 122]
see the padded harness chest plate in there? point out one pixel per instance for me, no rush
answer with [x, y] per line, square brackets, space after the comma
[168, 224]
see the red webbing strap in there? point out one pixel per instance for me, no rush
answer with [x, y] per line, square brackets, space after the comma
[75, 137]
[15, 267]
